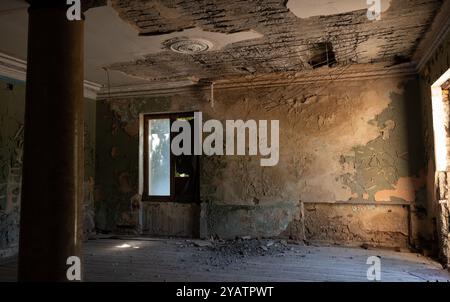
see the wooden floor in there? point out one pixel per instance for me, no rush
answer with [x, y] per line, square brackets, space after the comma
[147, 259]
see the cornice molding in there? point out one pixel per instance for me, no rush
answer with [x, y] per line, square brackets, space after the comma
[148, 89]
[91, 89]
[323, 75]
[13, 68]
[16, 69]
[434, 37]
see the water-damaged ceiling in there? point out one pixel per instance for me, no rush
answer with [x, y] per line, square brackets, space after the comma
[337, 31]
[135, 39]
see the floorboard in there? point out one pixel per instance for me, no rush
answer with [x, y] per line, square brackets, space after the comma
[148, 259]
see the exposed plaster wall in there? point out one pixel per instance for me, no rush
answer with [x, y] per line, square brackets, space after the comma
[357, 224]
[348, 141]
[12, 110]
[11, 141]
[437, 220]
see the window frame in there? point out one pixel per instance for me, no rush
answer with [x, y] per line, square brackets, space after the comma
[145, 189]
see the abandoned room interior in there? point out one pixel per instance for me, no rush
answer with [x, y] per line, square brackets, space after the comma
[225, 140]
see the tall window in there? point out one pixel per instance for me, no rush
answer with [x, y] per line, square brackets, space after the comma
[168, 177]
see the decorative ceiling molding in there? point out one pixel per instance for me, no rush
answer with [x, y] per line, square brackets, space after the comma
[434, 37]
[16, 69]
[324, 75]
[189, 45]
[13, 68]
[91, 89]
[150, 89]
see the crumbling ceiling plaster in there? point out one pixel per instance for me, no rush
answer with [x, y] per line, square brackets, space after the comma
[288, 41]
[249, 37]
[129, 46]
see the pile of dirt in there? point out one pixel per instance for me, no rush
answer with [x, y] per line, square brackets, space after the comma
[225, 252]
[251, 247]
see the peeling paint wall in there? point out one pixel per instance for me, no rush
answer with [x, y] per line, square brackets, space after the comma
[358, 224]
[12, 111]
[348, 141]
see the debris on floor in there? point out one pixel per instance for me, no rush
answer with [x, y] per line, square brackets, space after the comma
[226, 252]
[250, 247]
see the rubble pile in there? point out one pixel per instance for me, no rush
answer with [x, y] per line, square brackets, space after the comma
[226, 252]
[249, 247]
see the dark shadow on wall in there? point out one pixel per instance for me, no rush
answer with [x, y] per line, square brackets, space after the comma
[422, 237]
